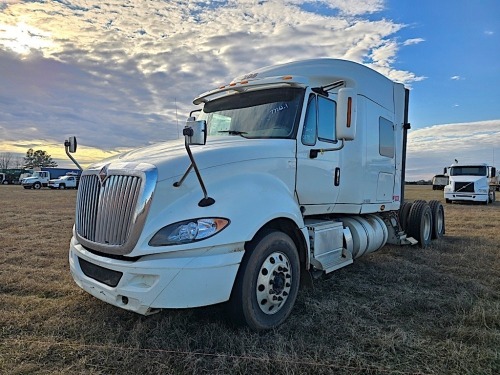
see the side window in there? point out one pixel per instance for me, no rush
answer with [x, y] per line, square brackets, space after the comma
[326, 117]
[386, 137]
[309, 131]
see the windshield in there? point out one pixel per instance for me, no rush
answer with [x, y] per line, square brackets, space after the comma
[271, 113]
[468, 171]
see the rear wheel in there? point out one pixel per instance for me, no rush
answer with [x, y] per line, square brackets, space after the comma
[420, 223]
[404, 210]
[491, 196]
[267, 283]
[438, 227]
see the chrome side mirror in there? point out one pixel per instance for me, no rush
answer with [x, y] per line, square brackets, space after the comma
[195, 132]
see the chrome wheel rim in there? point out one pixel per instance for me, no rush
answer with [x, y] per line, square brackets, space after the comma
[273, 283]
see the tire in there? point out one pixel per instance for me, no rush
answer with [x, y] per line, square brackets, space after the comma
[62, 187]
[438, 226]
[420, 223]
[267, 282]
[491, 197]
[5, 182]
[404, 210]
[448, 201]
[37, 186]
[419, 200]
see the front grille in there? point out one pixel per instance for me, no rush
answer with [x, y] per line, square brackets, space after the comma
[101, 274]
[105, 212]
[464, 187]
[110, 215]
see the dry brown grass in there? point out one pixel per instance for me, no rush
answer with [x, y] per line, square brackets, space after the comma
[402, 310]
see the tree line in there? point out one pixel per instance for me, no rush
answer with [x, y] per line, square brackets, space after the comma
[33, 159]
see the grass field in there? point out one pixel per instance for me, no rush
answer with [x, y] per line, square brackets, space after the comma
[401, 310]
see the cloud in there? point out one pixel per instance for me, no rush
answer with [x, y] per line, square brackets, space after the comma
[489, 32]
[410, 42]
[456, 78]
[121, 75]
[432, 148]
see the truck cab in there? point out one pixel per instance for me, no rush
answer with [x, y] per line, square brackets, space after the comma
[37, 180]
[470, 183]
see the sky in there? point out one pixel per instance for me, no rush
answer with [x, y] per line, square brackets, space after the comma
[120, 74]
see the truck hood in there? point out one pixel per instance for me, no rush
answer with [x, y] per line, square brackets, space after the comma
[467, 178]
[171, 159]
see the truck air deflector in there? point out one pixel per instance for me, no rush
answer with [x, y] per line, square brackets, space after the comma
[251, 85]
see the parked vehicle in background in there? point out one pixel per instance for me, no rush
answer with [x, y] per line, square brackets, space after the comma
[494, 181]
[41, 178]
[11, 176]
[439, 181]
[37, 180]
[65, 182]
[5, 179]
[300, 169]
[470, 183]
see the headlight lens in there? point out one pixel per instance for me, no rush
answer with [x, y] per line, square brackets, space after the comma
[188, 231]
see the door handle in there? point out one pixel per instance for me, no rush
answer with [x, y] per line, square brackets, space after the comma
[336, 181]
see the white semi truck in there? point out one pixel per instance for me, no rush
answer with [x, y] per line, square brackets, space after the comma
[288, 173]
[470, 183]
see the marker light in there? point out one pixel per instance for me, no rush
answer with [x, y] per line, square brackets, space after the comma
[349, 109]
[188, 231]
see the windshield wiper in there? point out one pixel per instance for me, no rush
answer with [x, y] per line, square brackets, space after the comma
[232, 132]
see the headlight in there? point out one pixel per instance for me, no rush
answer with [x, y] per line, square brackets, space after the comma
[188, 231]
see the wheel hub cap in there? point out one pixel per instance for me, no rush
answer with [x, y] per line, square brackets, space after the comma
[273, 283]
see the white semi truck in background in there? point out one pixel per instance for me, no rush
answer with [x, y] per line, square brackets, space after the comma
[471, 183]
[288, 173]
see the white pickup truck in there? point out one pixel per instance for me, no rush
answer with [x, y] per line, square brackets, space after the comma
[64, 182]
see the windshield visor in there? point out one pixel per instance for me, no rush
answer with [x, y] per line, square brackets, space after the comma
[271, 113]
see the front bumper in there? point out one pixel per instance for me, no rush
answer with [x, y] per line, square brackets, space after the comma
[470, 197]
[168, 280]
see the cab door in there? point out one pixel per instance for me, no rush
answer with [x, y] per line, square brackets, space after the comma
[318, 173]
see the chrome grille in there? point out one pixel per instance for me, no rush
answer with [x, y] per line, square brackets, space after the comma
[110, 215]
[105, 212]
[464, 187]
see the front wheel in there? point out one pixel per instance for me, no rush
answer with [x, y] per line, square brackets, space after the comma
[267, 283]
[37, 186]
